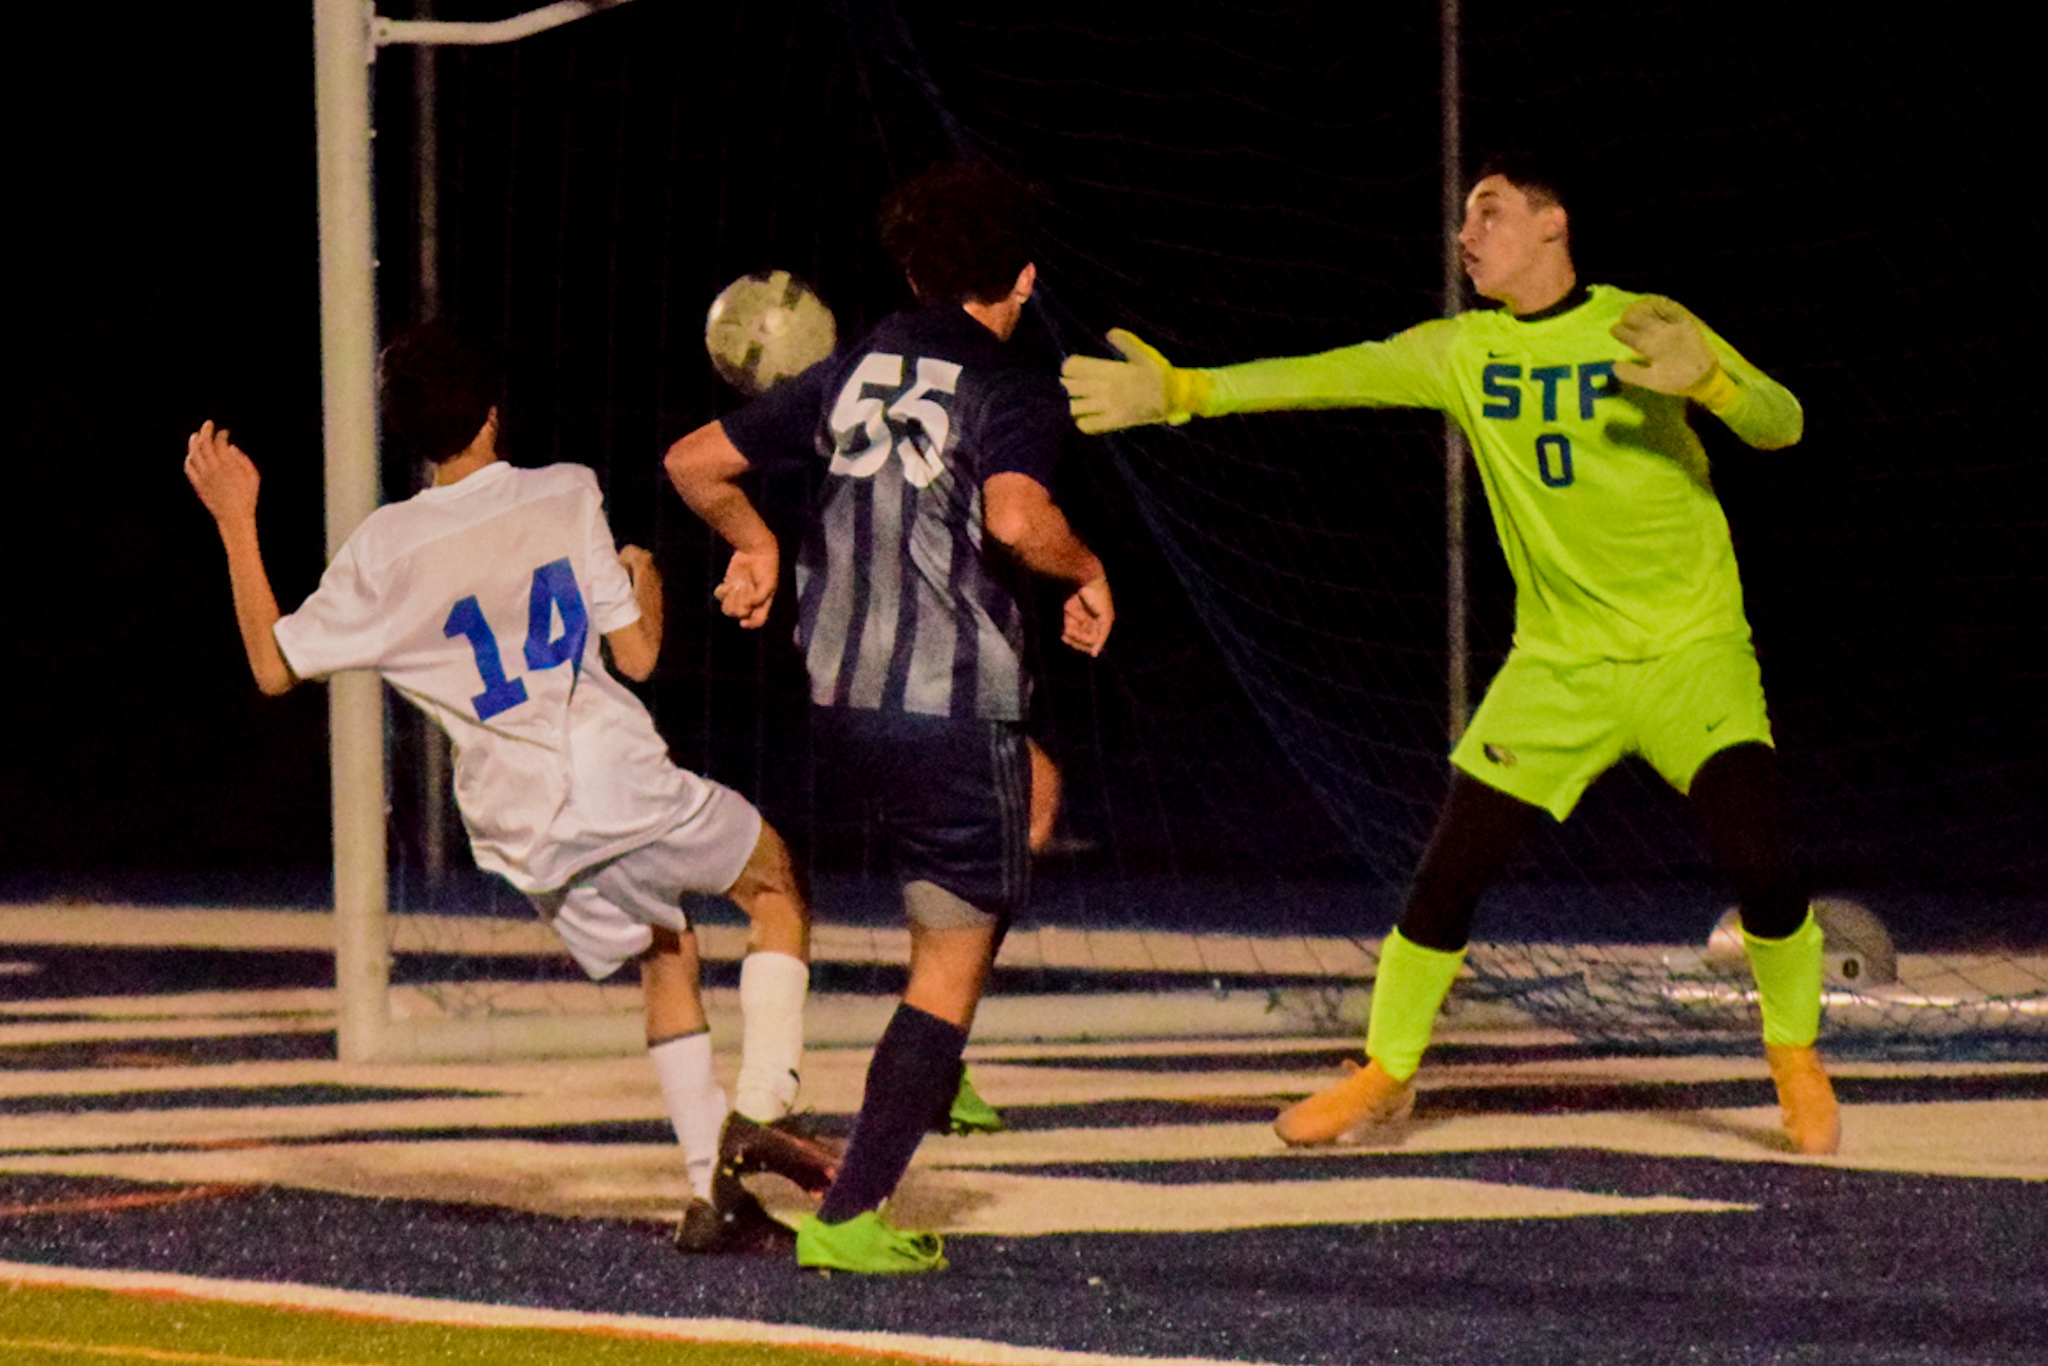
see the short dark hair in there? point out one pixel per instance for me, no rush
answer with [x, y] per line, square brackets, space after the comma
[961, 231]
[434, 393]
[1535, 175]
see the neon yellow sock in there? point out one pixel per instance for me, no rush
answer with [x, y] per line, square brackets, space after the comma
[1788, 975]
[1406, 995]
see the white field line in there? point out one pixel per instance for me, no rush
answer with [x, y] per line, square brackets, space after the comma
[492, 936]
[1217, 955]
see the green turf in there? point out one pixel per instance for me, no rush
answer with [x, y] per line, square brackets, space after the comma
[67, 1327]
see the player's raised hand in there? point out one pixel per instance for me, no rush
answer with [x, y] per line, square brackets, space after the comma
[224, 478]
[1672, 356]
[1143, 387]
[1089, 614]
[749, 587]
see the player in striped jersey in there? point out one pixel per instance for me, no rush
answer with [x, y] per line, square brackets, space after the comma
[1630, 633]
[483, 600]
[935, 446]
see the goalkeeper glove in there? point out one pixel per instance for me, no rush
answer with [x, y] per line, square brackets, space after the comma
[1143, 387]
[1672, 356]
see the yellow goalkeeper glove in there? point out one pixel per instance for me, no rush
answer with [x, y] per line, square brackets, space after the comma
[1143, 387]
[1672, 356]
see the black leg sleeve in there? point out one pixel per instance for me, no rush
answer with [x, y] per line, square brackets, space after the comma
[1476, 832]
[1741, 801]
[916, 1062]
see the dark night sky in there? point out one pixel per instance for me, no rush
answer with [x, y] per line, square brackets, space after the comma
[1840, 193]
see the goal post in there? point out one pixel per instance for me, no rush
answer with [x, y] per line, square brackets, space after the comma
[346, 36]
[342, 53]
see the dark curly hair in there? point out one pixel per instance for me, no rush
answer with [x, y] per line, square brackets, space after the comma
[434, 393]
[962, 231]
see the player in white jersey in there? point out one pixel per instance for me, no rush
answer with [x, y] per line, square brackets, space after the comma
[483, 600]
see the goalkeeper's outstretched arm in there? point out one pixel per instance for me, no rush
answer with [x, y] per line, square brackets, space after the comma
[1405, 371]
[1142, 388]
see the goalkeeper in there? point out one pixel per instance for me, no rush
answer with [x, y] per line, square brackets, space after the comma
[1630, 635]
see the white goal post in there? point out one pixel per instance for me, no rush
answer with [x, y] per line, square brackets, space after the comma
[346, 36]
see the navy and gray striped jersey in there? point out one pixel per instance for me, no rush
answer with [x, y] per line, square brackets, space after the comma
[900, 605]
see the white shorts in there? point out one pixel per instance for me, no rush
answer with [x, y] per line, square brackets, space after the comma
[605, 915]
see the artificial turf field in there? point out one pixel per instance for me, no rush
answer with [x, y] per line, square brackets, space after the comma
[44, 1325]
[209, 1185]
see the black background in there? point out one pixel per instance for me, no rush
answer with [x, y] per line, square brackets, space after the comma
[1850, 198]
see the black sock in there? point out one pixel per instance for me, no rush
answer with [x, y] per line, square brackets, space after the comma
[1476, 832]
[1741, 800]
[916, 1067]
[941, 1119]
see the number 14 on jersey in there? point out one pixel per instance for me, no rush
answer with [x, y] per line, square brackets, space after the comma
[554, 589]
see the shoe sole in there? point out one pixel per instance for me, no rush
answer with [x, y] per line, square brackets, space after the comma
[907, 1268]
[764, 1148]
[895, 1252]
[964, 1127]
[1387, 1125]
[904, 1266]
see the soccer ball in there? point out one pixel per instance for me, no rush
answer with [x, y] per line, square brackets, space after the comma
[1856, 948]
[765, 327]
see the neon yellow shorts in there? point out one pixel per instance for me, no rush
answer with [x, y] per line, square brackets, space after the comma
[1546, 729]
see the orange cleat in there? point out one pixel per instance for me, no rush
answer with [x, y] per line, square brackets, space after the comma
[1812, 1119]
[1367, 1106]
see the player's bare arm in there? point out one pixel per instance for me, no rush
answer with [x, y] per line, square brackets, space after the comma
[636, 647]
[705, 468]
[1019, 512]
[227, 482]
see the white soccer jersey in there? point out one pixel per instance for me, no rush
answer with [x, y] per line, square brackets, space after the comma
[483, 602]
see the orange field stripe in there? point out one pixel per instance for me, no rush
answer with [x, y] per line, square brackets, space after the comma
[97, 1204]
[161, 1354]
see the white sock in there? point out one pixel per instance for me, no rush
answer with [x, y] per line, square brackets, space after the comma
[772, 991]
[695, 1102]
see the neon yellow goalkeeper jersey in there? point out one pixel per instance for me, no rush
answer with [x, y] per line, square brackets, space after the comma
[1599, 490]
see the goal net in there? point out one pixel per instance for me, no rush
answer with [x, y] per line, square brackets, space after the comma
[1250, 771]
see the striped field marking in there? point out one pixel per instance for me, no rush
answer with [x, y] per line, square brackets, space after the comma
[104, 1204]
[412, 1309]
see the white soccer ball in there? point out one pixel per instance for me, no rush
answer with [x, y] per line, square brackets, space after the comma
[765, 327]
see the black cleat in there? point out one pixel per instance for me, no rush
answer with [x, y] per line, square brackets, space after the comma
[701, 1229]
[745, 1147]
[735, 1223]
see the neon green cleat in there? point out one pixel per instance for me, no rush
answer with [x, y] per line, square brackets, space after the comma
[970, 1113]
[866, 1243]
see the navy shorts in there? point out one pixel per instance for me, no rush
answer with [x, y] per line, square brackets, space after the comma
[950, 794]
